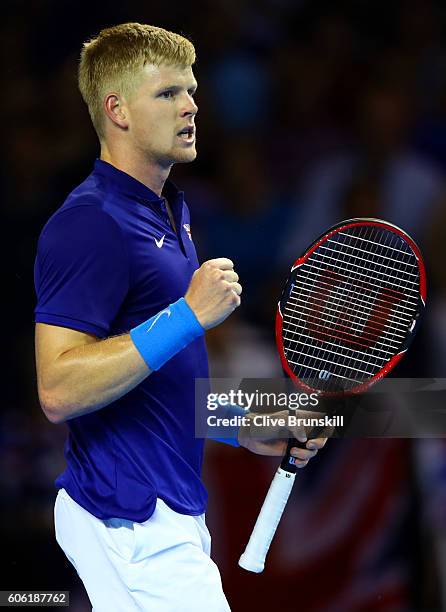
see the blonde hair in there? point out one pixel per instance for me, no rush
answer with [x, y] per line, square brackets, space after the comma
[113, 60]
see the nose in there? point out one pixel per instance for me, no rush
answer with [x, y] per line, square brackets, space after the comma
[190, 108]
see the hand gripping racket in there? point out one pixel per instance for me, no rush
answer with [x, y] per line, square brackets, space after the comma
[347, 314]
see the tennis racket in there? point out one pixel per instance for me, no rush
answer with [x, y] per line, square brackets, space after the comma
[347, 314]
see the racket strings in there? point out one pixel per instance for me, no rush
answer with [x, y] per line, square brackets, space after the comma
[337, 295]
[333, 262]
[352, 288]
[380, 313]
[355, 276]
[370, 257]
[350, 311]
[346, 323]
[357, 368]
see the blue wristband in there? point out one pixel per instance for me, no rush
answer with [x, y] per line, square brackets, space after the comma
[227, 412]
[165, 334]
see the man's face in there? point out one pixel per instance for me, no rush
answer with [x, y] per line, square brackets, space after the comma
[162, 115]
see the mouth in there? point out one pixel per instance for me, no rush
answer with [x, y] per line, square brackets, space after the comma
[187, 134]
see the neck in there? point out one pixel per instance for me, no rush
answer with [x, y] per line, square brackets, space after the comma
[148, 173]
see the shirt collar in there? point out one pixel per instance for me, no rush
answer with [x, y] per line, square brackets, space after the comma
[131, 187]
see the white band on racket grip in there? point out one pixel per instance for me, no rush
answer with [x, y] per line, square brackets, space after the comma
[253, 559]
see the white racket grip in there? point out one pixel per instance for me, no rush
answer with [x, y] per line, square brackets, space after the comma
[253, 559]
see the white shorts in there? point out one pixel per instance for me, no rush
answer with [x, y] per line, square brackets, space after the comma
[161, 565]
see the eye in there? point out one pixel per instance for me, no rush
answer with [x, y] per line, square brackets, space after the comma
[166, 94]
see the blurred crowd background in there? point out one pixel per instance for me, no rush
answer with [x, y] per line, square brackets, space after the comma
[310, 112]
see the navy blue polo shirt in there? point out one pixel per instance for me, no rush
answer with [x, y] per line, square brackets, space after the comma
[108, 260]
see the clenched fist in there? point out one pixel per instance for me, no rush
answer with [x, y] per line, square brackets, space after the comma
[214, 292]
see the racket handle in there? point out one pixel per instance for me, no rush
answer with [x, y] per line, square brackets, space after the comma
[253, 559]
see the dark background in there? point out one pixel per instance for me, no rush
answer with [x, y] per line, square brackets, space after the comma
[310, 112]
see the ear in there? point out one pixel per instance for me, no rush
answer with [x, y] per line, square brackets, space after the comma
[115, 110]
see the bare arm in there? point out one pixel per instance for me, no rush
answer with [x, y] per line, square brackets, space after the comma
[78, 373]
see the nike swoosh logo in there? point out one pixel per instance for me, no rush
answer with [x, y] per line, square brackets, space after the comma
[159, 243]
[158, 316]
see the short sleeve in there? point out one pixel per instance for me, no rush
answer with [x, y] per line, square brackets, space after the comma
[81, 272]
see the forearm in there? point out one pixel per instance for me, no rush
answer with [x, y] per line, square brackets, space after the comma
[89, 377]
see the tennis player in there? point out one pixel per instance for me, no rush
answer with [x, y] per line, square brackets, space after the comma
[118, 256]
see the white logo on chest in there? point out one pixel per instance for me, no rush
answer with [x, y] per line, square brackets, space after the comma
[159, 243]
